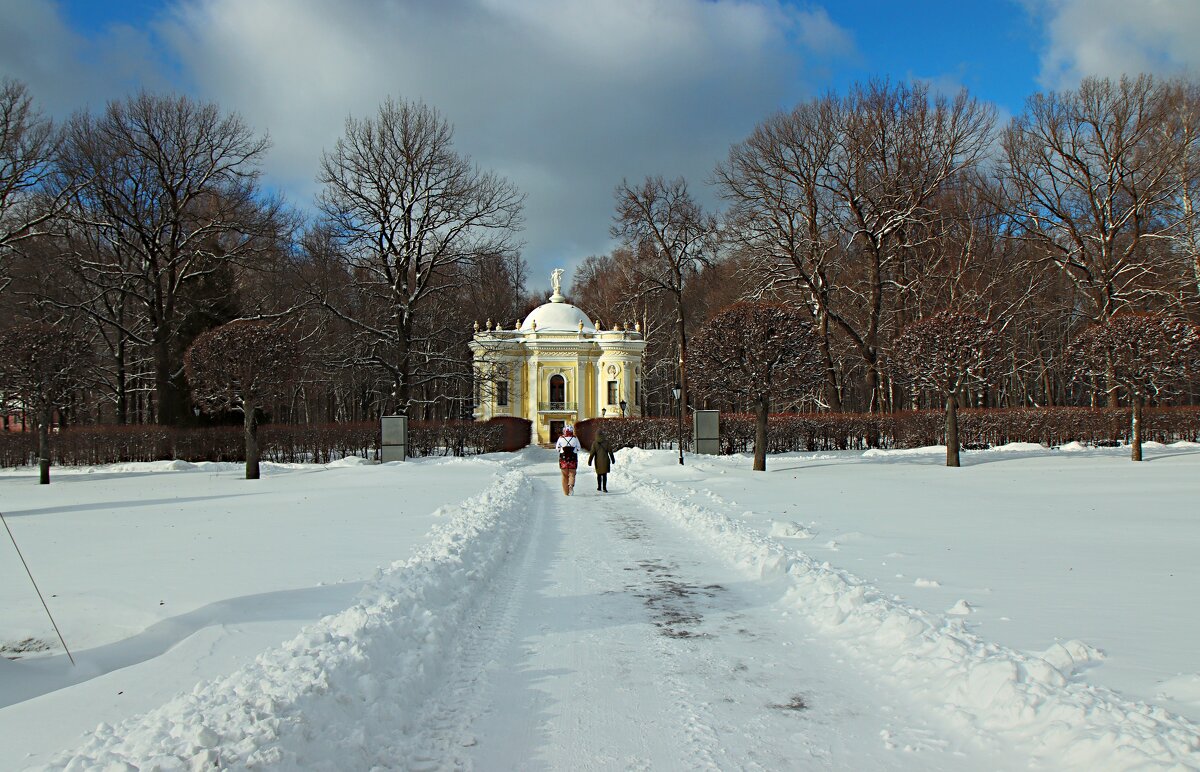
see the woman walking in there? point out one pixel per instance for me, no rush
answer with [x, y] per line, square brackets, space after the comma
[603, 456]
[568, 448]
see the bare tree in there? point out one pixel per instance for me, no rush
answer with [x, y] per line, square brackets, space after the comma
[28, 145]
[408, 213]
[1149, 355]
[833, 198]
[899, 146]
[172, 199]
[672, 236]
[1090, 174]
[241, 367]
[946, 353]
[784, 216]
[606, 286]
[763, 352]
[41, 366]
[1183, 127]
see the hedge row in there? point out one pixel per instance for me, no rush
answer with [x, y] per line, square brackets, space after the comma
[649, 433]
[322, 443]
[281, 443]
[858, 431]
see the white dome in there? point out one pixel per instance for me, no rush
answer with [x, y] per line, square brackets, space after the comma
[557, 317]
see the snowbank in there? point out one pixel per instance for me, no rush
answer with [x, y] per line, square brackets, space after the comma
[1015, 699]
[940, 450]
[325, 699]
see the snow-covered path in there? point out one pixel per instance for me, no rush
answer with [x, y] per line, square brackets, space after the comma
[615, 641]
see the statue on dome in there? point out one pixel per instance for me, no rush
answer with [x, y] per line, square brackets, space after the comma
[556, 283]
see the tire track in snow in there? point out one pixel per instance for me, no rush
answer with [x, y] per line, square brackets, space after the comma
[574, 690]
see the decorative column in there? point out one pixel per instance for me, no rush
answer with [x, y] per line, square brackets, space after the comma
[532, 397]
[581, 412]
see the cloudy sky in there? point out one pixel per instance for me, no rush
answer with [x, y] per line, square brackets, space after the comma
[567, 97]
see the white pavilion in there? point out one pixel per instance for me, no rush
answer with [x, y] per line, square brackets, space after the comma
[557, 367]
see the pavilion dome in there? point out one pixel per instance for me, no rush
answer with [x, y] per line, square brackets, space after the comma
[557, 316]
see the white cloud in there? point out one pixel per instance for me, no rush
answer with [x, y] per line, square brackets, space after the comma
[565, 97]
[66, 71]
[1114, 37]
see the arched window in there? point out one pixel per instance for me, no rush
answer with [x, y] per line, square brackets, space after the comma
[558, 392]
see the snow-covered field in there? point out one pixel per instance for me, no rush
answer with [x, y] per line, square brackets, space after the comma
[1033, 609]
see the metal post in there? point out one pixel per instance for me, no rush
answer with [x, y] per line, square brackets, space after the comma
[681, 434]
[678, 390]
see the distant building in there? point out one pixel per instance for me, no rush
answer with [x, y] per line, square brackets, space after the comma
[13, 420]
[557, 367]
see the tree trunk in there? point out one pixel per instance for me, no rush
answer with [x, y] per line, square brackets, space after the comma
[1135, 433]
[44, 417]
[872, 377]
[1110, 379]
[833, 397]
[250, 427]
[122, 384]
[404, 367]
[681, 333]
[164, 388]
[762, 405]
[952, 429]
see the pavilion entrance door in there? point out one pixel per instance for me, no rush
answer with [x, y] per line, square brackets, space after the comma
[556, 428]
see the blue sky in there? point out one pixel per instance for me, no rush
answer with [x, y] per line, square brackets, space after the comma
[567, 97]
[989, 46]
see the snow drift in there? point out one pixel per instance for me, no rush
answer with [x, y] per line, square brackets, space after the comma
[1004, 696]
[324, 699]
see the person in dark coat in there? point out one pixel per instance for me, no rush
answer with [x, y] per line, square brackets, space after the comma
[603, 456]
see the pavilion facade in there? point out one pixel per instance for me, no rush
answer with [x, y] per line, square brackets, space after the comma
[557, 367]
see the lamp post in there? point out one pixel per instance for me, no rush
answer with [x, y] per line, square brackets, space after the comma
[623, 403]
[676, 391]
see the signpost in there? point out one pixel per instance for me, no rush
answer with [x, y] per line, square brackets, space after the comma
[706, 431]
[395, 438]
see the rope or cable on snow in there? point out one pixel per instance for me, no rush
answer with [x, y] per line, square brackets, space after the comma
[35, 587]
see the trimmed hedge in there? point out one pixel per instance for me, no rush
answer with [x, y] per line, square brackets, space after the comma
[855, 431]
[649, 433]
[280, 443]
[322, 443]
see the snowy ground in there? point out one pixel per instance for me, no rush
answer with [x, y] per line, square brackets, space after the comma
[1033, 609]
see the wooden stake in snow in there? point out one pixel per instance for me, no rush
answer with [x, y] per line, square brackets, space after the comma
[35, 587]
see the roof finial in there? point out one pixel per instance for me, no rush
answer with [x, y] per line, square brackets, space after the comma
[556, 283]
